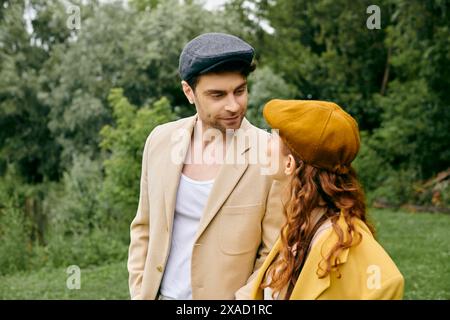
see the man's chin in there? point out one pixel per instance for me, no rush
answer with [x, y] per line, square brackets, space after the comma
[224, 125]
[231, 124]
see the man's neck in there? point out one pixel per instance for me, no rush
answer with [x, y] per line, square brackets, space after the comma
[202, 135]
[209, 142]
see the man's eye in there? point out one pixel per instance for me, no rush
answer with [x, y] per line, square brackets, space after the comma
[217, 95]
[241, 91]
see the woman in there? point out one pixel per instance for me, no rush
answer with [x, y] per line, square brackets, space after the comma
[326, 249]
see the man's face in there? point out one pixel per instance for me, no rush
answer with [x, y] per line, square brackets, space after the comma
[221, 100]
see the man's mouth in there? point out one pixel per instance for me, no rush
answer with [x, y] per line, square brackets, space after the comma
[231, 118]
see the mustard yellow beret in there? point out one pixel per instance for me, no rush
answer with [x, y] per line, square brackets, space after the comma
[320, 133]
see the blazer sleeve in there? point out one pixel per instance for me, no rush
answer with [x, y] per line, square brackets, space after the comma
[271, 226]
[139, 231]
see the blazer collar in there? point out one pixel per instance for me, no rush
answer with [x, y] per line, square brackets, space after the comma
[225, 181]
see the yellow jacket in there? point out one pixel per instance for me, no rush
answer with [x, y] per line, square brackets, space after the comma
[367, 271]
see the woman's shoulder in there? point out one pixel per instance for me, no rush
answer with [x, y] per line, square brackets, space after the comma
[373, 253]
[367, 271]
[365, 253]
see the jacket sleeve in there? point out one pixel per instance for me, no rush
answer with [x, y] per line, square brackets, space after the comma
[139, 231]
[391, 289]
[271, 226]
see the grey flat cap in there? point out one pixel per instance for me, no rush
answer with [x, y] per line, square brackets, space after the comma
[210, 50]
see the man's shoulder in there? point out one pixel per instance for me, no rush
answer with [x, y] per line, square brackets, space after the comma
[162, 130]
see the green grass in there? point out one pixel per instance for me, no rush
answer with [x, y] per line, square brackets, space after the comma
[418, 243]
[420, 246]
[109, 282]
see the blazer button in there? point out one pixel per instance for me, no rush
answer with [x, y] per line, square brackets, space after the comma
[159, 268]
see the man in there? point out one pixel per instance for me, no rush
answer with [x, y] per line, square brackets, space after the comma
[203, 228]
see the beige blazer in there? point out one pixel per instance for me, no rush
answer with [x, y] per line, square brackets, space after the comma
[240, 223]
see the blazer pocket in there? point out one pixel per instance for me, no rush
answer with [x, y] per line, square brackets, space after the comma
[240, 229]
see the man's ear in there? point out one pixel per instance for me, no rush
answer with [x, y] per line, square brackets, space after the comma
[290, 165]
[188, 92]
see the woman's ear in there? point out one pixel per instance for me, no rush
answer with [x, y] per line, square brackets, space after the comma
[290, 165]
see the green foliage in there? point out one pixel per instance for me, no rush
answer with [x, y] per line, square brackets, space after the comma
[392, 80]
[414, 131]
[85, 249]
[54, 82]
[124, 143]
[76, 208]
[444, 190]
[144, 5]
[383, 182]
[14, 250]
[412, 143]
[25, 138]
[324, 49]
[21, 223]
[265, 85]
[141, 57]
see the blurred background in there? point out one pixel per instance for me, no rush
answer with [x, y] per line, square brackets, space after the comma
[82, 84]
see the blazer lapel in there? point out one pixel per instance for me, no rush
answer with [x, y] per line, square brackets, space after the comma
[228, 176]
[176, 155]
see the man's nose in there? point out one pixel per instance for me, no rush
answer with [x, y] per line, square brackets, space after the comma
[232, 105]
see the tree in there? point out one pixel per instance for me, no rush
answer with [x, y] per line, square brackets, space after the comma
[325, 49]
[413, 141]
[142, 58]
[125, 142]
[25, 138]
[265, 85]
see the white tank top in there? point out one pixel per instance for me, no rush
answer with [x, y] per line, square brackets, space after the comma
[190, 202]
